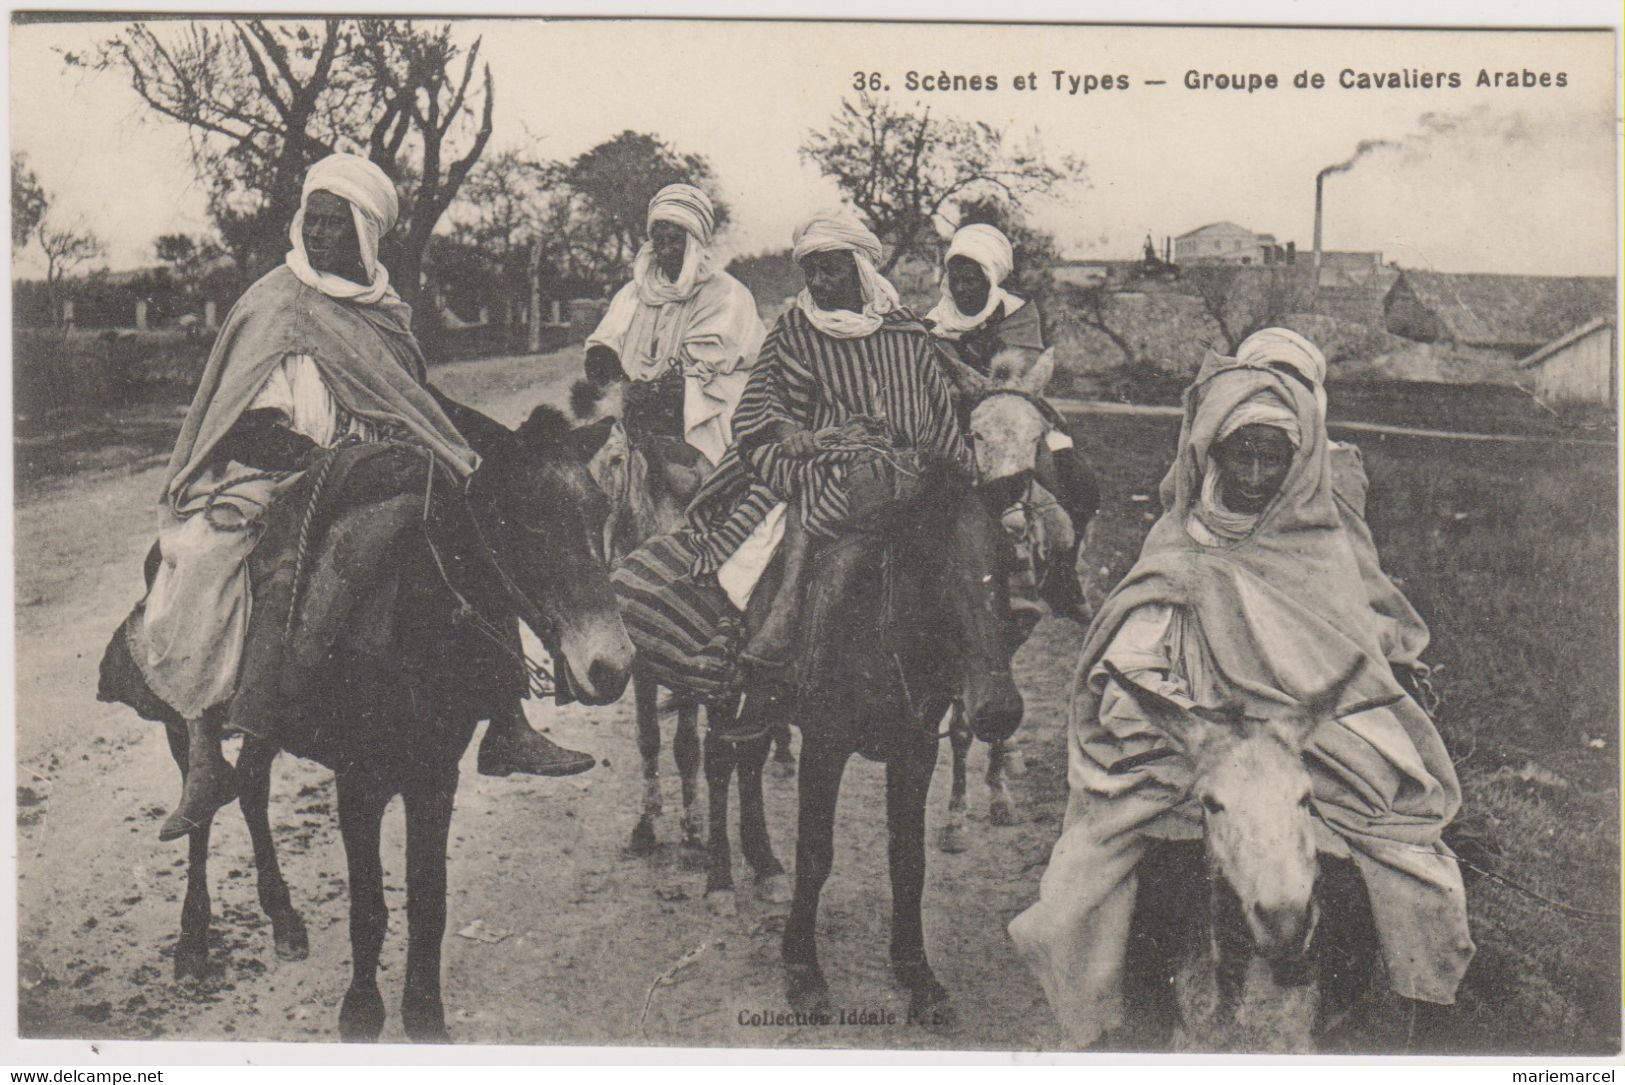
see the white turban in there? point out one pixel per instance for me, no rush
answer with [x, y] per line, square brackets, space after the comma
[1282, 347]
[992, 252]
[1262, 408]
[839, 230]
[1212, 520]
[374, 206]
[690, 208]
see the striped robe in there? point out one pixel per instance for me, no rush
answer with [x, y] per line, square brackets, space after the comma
[813, 380]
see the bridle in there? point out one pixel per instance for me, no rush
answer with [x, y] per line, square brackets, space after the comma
[540, 681]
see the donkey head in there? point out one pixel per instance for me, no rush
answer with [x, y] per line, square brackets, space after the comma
[1257, 808]
[543, 520]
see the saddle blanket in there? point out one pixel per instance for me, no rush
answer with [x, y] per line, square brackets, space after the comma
[687, 633]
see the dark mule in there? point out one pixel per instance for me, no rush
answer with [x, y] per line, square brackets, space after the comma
[378, 643]
[913, 622]
[648, 486]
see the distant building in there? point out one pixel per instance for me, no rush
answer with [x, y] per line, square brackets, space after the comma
[1581, 367]
[1227, 243]
[1513, 313]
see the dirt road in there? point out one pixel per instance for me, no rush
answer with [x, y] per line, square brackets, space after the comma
[589, 928]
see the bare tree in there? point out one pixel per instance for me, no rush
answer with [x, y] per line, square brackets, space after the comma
[65, 249]
[264, 100]
[904, 170]
[1241, 299]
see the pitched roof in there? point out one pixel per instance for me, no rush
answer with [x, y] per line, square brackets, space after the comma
[1227, 227]
[1564, 340]
[1508, 310]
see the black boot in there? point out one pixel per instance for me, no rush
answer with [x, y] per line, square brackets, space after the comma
[510, 745]
[210, 781]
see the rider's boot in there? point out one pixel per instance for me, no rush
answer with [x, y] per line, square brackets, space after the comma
[210, 781]
[511, 745]
[772, 646]
[981, 601]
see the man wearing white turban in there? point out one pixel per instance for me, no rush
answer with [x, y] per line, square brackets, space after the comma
[977, 321]
[846, 356]
[1248, 591]
[317, 352]
[683, 332]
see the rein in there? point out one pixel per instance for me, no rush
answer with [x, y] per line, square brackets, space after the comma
[539, 681]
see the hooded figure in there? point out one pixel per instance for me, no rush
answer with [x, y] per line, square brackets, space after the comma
[318, 351]
[1258, 599]
[684, 332]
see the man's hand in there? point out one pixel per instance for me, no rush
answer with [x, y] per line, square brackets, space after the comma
[799, 443]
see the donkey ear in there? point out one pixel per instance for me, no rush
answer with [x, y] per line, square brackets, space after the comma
[1037, 378]
[1324, 705]
[1168, 716]
[966, 381]
[585, 441]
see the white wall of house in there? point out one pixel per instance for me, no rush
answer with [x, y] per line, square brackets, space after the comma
[1584, 371]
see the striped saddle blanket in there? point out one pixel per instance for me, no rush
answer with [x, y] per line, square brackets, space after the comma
[686, 631]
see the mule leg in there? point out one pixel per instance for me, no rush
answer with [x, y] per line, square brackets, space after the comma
[719, 881]
[952, 838]
[772, 885]
[254, 796]
[685, 747]
[908, 782]
[784, 759]
[192, 947]
[428, 823]
[1001, 810]
[822, 765]
[361, 808]
[646, 695]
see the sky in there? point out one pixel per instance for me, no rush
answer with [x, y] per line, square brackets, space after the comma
[1495, 178]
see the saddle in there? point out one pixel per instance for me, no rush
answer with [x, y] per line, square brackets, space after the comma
[327, 575]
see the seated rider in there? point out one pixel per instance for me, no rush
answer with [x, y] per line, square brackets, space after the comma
[683, 333]
[318, 352]
[842, 366]
[1253, 589]
[977, 320]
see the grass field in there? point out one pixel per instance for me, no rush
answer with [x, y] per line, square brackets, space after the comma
[1510, 553]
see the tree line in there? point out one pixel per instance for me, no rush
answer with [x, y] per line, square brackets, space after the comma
[260, 101]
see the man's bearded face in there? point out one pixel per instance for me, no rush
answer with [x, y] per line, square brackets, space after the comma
[670, 243]
[967, 285]
[331, 244]
[832, 280]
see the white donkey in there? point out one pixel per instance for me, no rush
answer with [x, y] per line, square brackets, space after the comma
[1249, 981]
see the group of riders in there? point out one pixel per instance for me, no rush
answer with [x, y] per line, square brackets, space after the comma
[1258, 585]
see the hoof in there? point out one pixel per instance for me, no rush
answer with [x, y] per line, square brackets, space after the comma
[1001, 811]
[292, 942]
[952, 839]
[806, 990]
[427, 1026]
[192, 960]
[928, 1003]
[721, 902]
[643, 838]
[774, 888]
[361, 1016]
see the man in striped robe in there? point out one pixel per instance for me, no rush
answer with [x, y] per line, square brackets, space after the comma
[845, 358]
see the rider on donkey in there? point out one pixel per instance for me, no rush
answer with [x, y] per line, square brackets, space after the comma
[978, 320]
[317, 353]
[683, 333]
[845, 367]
